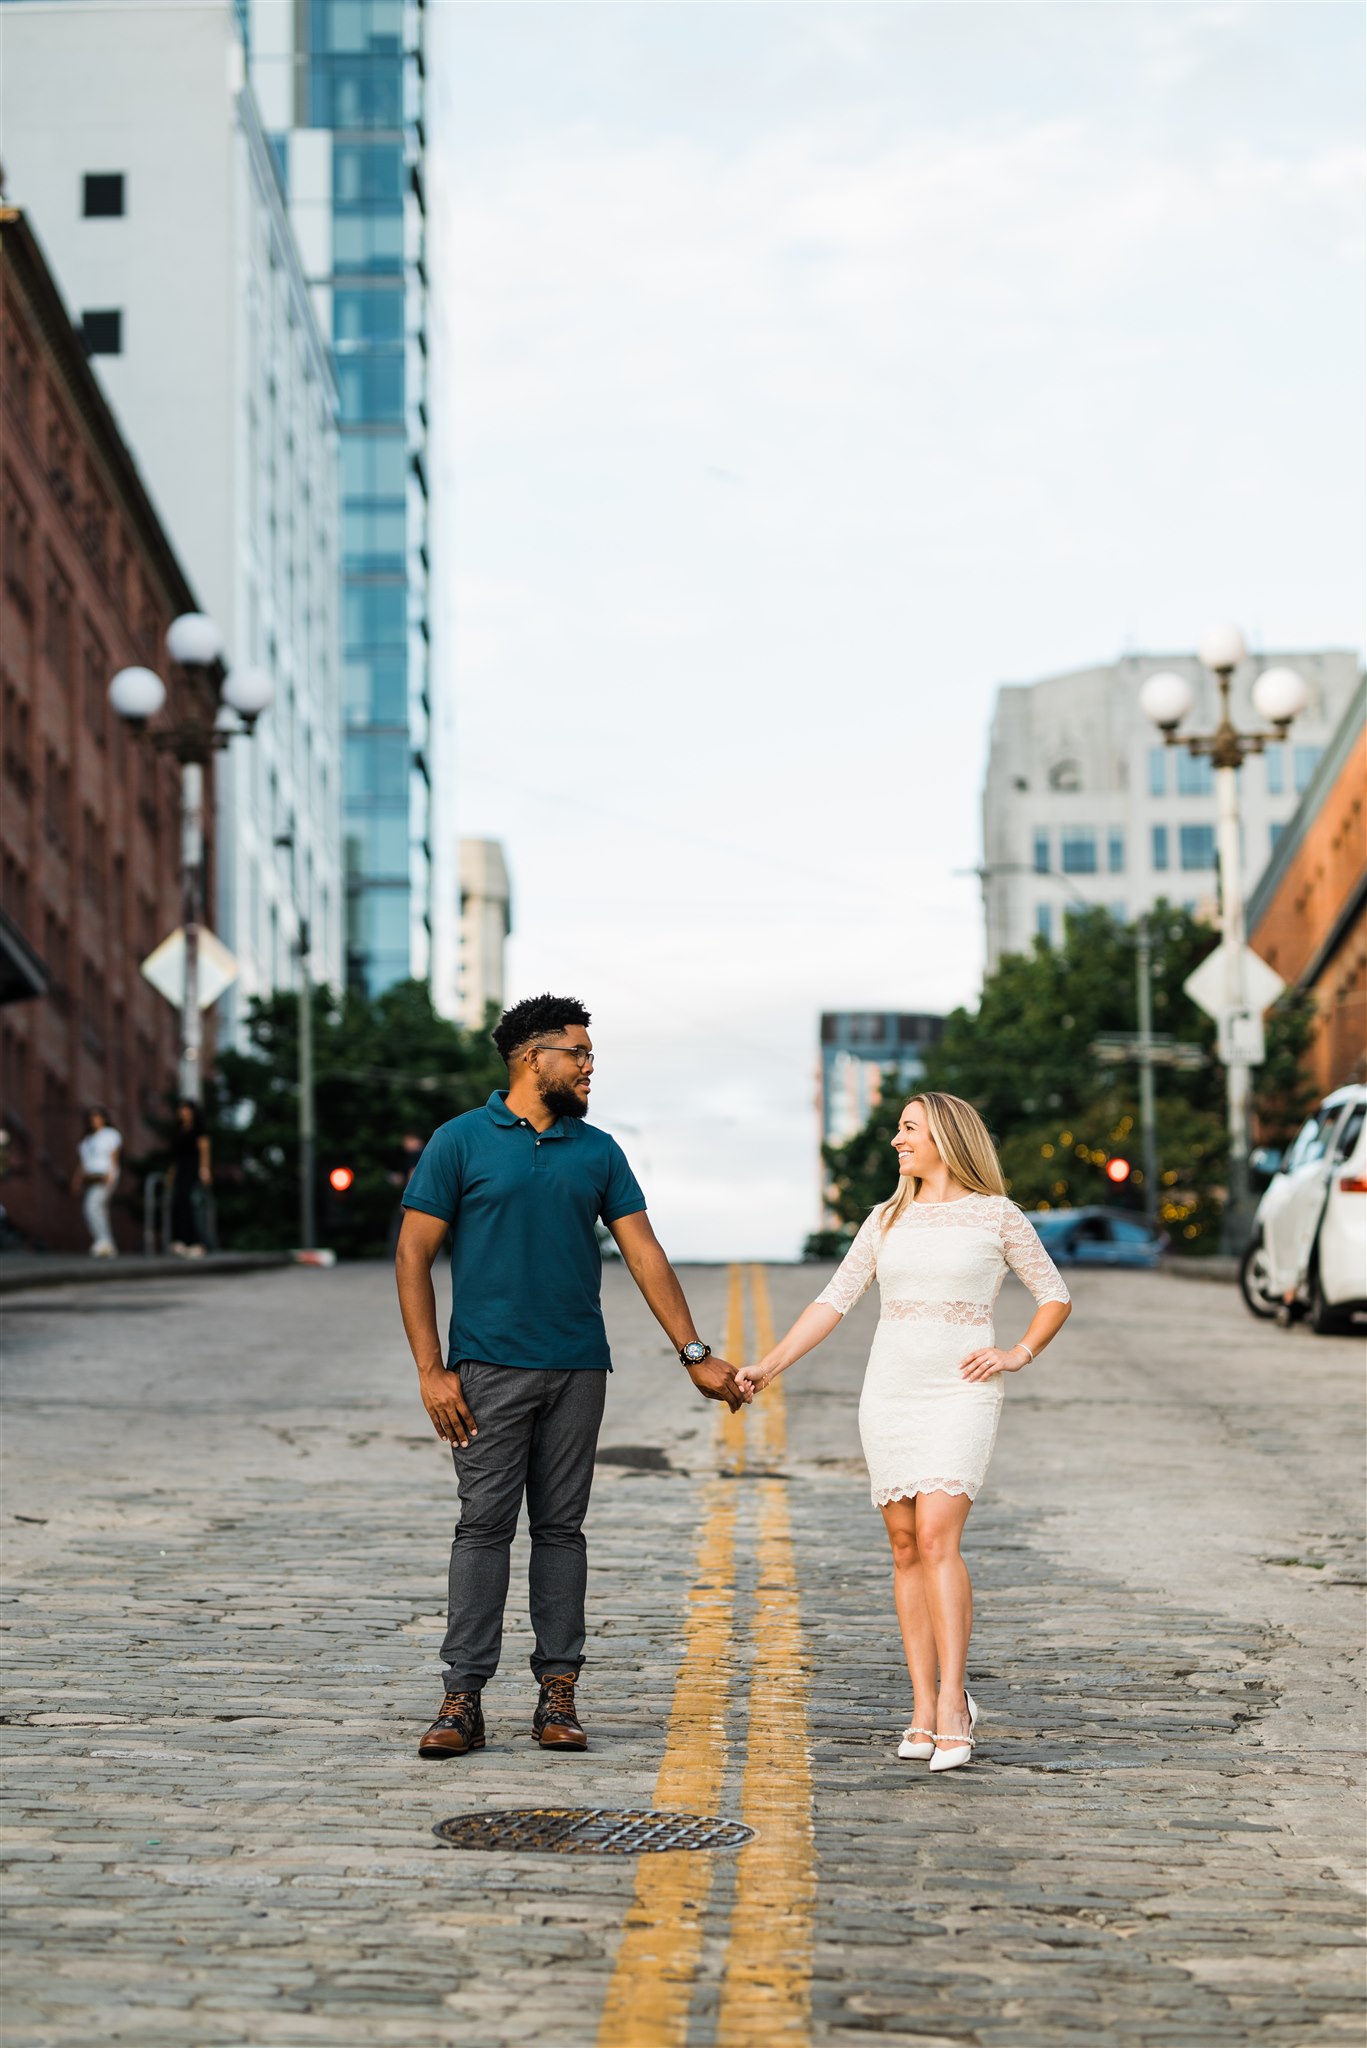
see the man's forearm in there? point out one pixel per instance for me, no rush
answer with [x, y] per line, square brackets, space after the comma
[664, 1297]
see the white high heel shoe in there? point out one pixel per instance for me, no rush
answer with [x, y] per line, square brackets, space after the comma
[950, 1759]
[920, 1751]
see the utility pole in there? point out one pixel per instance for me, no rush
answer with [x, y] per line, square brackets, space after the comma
[308, 1221]
[1143, 1052]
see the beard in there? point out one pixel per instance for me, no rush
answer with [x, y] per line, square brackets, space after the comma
[563, 1101]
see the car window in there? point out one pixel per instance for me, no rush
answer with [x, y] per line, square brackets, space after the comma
[1093, 1230]
[1126, 1232]
[1349, 1131]
[1311, 1140]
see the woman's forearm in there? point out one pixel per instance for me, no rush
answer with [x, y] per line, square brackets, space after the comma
[1045, 1325]
[812, 1327]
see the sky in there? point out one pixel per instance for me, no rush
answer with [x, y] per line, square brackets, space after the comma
[801, 374]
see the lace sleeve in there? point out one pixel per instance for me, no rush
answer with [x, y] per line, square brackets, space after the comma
[1028, 1259]
[854, 1275]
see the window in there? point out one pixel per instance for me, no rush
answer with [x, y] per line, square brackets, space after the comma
[1115, 850]
[1350, 1130]
[1044, 922]
[1158, 771]
[376, 615]
[1160, 847]
[102, 195]
[1305, 760]
[374, 466]
[102, 333]
[1196, 844]
[1274, 833]
[359, 316]
[1078, 850]
[370, 386]
[1120, 913]
[57, 623]
[1195, 774]
[1275, 757]
[1312, 1140]
[1041, 851]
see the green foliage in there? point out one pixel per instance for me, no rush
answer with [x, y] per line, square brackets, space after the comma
[1024, 1058]
[383, 1066]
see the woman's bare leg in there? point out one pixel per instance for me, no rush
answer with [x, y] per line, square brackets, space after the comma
[940, 1519]
[913, 1615]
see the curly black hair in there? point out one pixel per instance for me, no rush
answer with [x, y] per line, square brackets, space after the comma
[534, 1017]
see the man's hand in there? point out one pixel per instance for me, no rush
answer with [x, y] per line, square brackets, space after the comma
[446, 1404]
[715, 1379]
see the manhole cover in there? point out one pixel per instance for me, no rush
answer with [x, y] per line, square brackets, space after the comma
[590, 1831]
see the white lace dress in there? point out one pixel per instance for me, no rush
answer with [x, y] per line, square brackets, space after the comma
[939, 1270]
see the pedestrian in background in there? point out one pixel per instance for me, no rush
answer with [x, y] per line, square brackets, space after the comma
[401, 1172]
[939, 1248]
[521, 1185]
[96, 1177]
[191, 1169]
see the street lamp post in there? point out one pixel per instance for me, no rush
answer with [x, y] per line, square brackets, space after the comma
[1280, 695]
[308, 1222]
[195, 648]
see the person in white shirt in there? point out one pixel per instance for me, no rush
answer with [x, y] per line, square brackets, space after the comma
[96, 1178]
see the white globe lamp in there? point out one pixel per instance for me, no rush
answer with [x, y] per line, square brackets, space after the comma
[1221, 648]
[137, 694]
[1280, 695]
[194, 640]
[248, 692]
[1166, 698]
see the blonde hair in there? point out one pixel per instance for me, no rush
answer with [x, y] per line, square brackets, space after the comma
[964, 1143]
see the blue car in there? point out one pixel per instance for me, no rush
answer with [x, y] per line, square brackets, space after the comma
[1099, 1237]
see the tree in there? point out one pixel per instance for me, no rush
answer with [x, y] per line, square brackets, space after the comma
[384, 1066]
[1024, 1058]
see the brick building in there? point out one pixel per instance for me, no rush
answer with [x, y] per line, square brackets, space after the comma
[1308, 915]
[89, 818]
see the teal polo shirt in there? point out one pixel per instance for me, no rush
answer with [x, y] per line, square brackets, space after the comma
[526, 1271]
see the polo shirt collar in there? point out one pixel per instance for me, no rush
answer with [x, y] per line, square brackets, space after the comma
[497, 1106]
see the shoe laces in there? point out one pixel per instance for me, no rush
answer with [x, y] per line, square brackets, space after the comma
[459, 1710]
[557, 1700]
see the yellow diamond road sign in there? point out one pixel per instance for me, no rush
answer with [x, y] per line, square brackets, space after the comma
[165, 968]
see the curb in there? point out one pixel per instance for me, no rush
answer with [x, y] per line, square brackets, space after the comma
[19, 1274]
[1225, 1272]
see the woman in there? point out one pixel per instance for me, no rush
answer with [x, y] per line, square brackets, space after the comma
[934, 1384]
[95, 1179]
[190, 1167]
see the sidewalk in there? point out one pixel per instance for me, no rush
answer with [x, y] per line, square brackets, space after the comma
[20, 1271]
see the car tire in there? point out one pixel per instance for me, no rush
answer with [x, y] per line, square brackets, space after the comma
[1252, 1268]
[1325, 1319]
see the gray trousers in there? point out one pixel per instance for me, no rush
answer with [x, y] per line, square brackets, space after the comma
[537, 1435]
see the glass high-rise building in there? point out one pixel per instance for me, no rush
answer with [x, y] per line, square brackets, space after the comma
[340, 87]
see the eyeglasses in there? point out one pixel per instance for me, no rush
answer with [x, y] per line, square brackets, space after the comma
[582, 1059]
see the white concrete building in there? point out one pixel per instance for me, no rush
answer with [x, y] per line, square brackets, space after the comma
[133, 141]
[1084, 804]
[486, 919]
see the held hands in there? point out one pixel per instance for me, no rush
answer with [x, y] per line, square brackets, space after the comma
[987, 1362]
[717, 1381]
[755, 1378]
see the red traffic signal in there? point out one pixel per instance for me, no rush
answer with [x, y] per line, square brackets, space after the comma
[1118, 1170]
[340, 1179]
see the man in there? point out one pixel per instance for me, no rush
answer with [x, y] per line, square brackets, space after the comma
[95, 1179]
[521, 1185]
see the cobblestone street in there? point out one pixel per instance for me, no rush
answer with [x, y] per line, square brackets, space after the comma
[226, 1528]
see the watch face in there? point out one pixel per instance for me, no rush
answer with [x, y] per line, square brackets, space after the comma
[695, 1353]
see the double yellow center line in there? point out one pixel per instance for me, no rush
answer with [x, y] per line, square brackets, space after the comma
[765, 1986]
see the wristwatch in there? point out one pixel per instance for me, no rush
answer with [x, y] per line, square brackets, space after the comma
[694, 1353]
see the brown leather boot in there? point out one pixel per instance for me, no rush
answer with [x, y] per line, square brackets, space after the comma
[458, 1728]
[555, 1723]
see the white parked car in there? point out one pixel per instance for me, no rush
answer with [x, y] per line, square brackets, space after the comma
[1309, 1246]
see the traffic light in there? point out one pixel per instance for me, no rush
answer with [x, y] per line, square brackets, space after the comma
[340, 1179]
[1118, 1170]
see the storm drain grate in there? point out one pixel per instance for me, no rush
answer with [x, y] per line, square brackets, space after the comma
[590, 1830]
